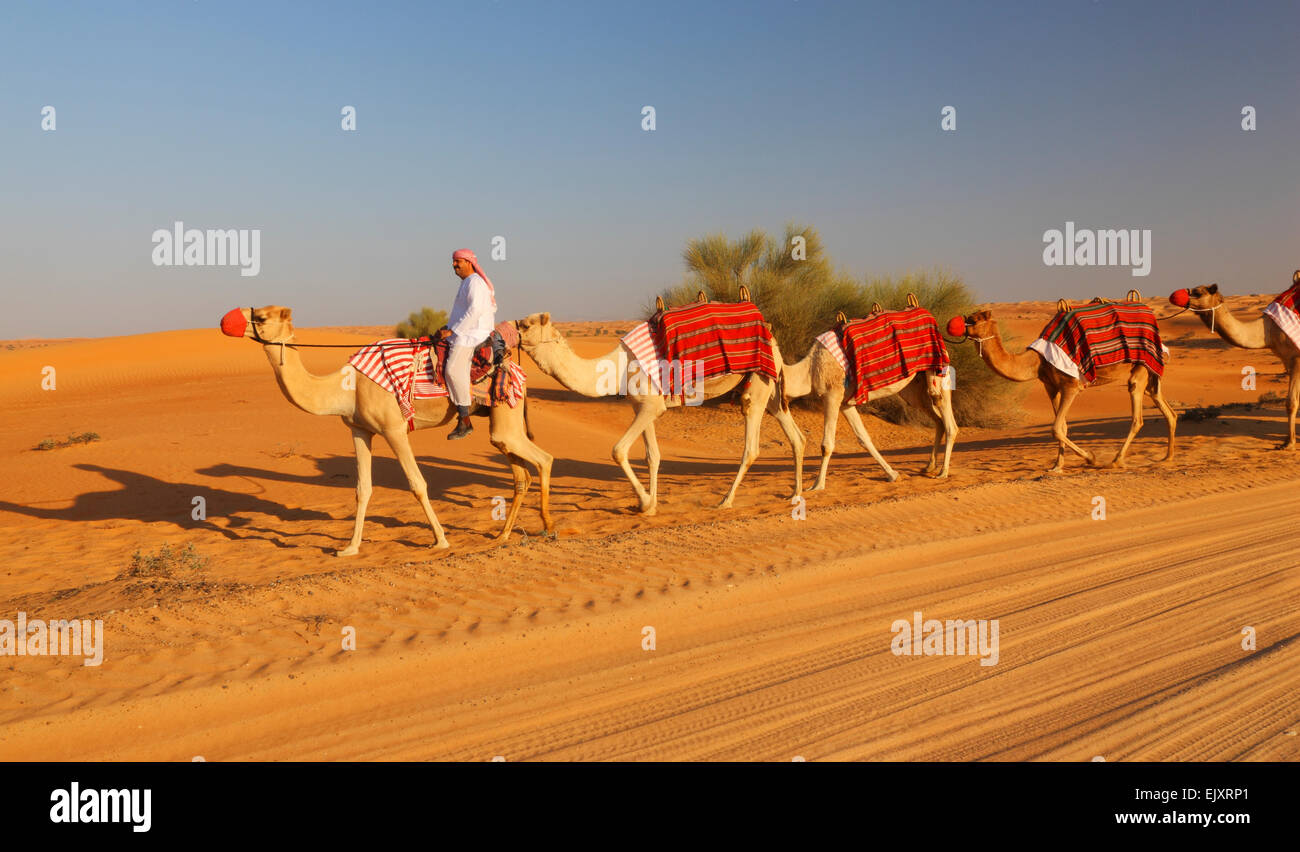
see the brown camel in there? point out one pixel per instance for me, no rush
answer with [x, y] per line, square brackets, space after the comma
[369, 410]
[1262, 333]
[601, 376]
[1062, 388]
[821, 374]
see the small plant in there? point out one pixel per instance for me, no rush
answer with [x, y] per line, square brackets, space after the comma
[166, 562]
[83, 438]
[1271, 398]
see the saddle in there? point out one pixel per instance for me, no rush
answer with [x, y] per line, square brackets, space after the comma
[489, 356]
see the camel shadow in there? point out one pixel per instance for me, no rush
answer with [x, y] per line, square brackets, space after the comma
[155, 501]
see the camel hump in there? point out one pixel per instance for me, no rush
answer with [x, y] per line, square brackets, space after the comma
[744, 293]
[700, 297]
[1062, 305]
[840, 318]
[912, 301]
[1134, 295]
[659, 303]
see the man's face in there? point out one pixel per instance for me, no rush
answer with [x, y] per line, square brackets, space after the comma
[462, 267]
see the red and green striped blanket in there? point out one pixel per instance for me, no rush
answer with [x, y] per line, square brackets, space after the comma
[1098, 335]
[891, 346]
[725, 337]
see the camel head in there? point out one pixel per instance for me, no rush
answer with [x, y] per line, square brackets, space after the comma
[1203, 298]
[265, 325]
[536, 328]
[978, 325]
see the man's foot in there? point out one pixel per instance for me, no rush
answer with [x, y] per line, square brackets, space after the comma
[462, 429]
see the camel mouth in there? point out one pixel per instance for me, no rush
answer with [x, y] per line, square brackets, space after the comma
[1180, 298]
[234, 323]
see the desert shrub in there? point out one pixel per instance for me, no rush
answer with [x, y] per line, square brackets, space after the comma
[800, 298]
[420, 323]
[166, 562]
[83, 438]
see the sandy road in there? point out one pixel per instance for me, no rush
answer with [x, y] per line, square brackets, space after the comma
[773, 640]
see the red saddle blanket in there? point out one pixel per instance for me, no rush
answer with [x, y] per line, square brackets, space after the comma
[891, 346]
[1098, 335]
[1289, 298]
[725, 337]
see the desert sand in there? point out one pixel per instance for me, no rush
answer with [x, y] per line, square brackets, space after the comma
[1119, 638]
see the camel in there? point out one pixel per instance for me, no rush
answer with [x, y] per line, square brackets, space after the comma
[368, 410]
[820, 374]
[1062, 388]
[1261, 333]
[588, 376]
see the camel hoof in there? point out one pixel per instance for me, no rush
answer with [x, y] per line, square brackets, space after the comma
[1056, 470]
[1289, 445]
[897, 476]
[442, 545]
[725, 504]
[821, 486]
[347, 551]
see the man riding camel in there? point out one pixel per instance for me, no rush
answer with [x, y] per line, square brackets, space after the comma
[472, 320]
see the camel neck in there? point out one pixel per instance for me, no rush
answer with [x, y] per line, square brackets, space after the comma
[313, 394]
[584, 375]
[1247, 335]
[1018, 368]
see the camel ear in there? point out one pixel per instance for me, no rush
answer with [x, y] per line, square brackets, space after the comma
[1213, 288]
[546, 318]
[1295, 279]
[285, 313]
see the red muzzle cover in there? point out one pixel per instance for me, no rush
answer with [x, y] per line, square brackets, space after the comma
[234, 323]
[1180, 298]
[956, 327]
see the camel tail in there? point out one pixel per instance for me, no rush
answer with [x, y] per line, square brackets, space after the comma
[528, 427]
[780, 390]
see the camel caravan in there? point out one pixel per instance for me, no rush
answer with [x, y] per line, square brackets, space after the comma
[686, 354]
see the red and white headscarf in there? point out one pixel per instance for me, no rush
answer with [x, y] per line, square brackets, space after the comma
[473, 261]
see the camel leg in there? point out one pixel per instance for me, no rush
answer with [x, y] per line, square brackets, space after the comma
[859, 428]
[360, 440]
[917, 392]
[941, 407]
[1137, 388]
[406, 458]
[509, 435]
[753, 401]
[648, 410]
[1158, 397]
[1060, 430]
[652, 461]
[520, 474]
[1055, 398]
[793, 434]
[1292, 404]
[830, 425]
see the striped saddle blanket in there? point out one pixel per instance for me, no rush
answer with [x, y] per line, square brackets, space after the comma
[392, 365]
[725, 337]
[1282, 311]
[888, 347]
[722, 337]
[1080, 341]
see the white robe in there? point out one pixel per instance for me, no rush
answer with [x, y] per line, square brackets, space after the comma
[473, 316]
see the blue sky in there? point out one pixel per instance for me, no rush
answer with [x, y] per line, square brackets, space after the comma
[523, 119]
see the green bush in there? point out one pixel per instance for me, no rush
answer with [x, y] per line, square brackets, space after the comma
[800, 298]
[420, 323]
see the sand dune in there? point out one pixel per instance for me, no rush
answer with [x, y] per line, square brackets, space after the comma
[1119, 637]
